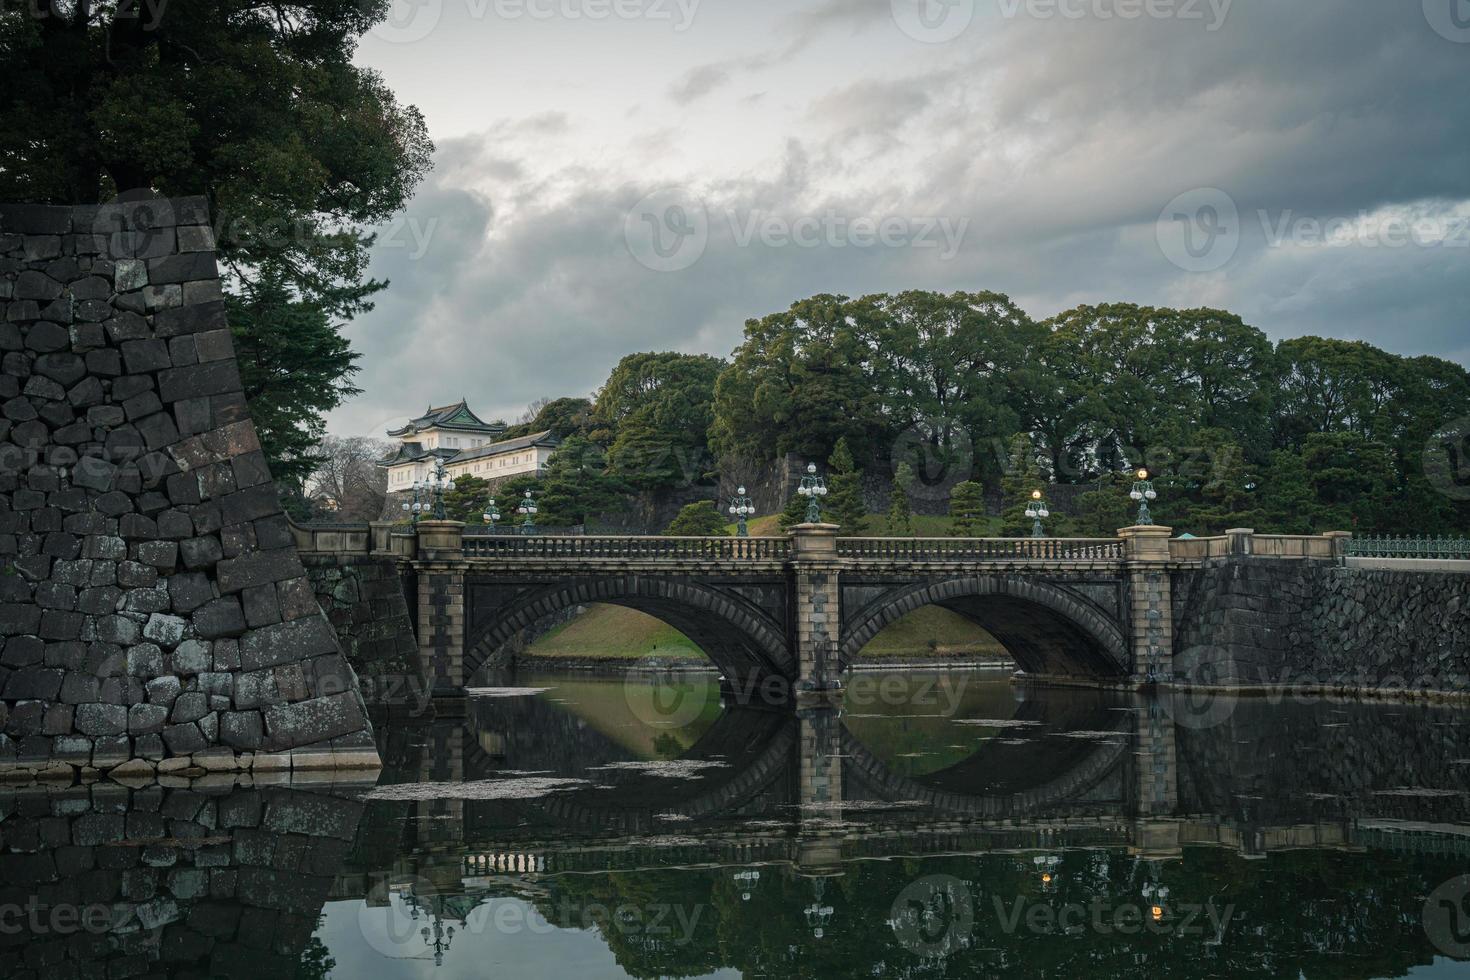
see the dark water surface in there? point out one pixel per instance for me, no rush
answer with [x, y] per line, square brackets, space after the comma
[939, 825]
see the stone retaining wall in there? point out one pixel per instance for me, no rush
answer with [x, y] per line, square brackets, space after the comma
[152, 604]
[363, 598]
[178, 882]
[1268, 622]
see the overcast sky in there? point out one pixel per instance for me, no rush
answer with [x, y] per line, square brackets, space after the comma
[624, 175]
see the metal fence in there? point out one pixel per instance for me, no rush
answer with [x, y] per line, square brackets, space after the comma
[982, 549]
[1447, 549]
[624, 548]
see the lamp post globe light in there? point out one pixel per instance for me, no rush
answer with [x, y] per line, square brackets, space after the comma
[415, 509]
[813, 488]
[1143, 492]
[741, 508]
[1036, 510]
[441, 484]
[527, 510]
[492, 513]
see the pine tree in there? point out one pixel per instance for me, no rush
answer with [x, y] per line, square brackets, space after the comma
[967, 508]
[844, 503]
[900, 514]
[1023, 476]
[698, 520]
[794, 512]
[466, 502]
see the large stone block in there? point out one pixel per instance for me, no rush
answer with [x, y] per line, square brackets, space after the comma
[315, 720]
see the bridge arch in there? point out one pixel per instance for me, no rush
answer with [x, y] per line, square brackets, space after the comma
[742, 641]
[1046, 628]
[1098, 762]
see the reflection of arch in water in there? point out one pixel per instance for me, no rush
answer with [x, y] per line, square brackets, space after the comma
[1005, 780]
[741, 639]
[754, 750]
[1048, 629]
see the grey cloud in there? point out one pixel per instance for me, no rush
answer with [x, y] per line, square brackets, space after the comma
[1059, 142]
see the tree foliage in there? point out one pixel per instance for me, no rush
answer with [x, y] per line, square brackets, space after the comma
[699, 519]
[844, 503]
[653, 415]
[1233, 429]
[900, 511]
[577, 486]
[261, 109]
[967, 509]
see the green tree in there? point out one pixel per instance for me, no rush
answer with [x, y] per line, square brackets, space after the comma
[801, 380]
[299, 151]
[576, 486]
[294, 366]
[967, 510]
[654, 415]
[1100, 512]
[844, 503]
[1023, 477]
[466, 502]
[944, 367]
[793, 513]
[900, 513]
[697, 520]
[562, 417]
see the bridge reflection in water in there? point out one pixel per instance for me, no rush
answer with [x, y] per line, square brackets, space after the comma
[551, 828]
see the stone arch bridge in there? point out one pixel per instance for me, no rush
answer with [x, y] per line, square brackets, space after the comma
[1124, 611]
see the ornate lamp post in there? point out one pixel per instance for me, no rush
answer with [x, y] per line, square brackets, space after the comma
[813, 488]
[1036, 510]
[417, 507]
[818, 914]
[440, 483]
[747, 880]
[527, 510]
[492, 513]
[741, 508]
[1143, 492]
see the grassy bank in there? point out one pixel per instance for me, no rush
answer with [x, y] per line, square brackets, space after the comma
[617, 633]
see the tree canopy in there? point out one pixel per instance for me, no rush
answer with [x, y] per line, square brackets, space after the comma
[260, 109]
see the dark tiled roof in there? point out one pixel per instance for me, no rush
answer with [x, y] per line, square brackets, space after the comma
[457, 417]
[508, 446]
[412, 452]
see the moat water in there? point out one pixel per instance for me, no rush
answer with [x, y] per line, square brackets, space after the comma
[938, 824]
